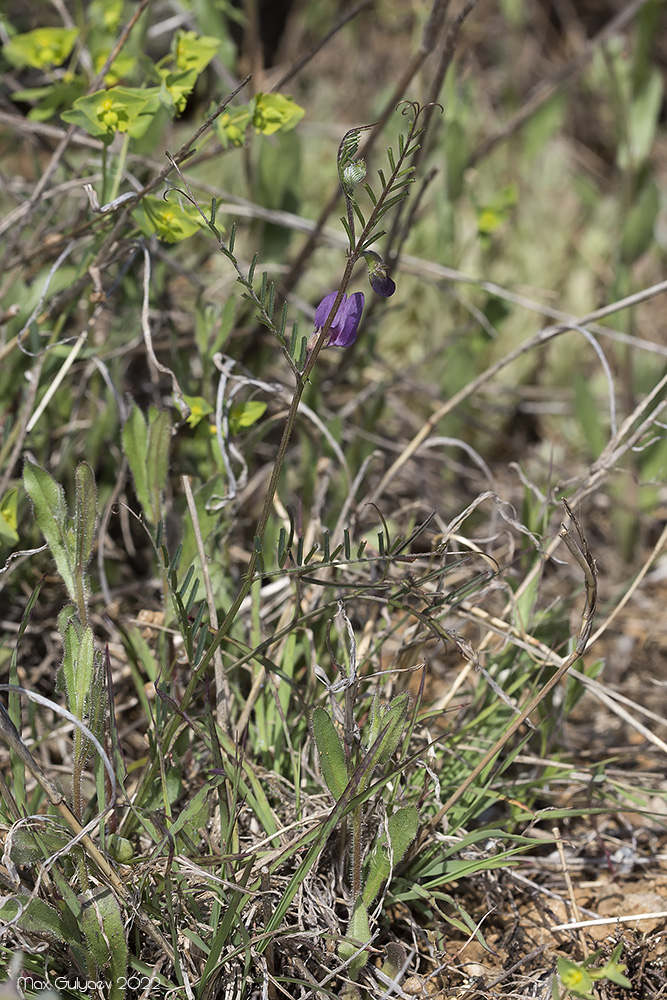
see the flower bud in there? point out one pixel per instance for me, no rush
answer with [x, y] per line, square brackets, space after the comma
[352, 175]
[380, 281]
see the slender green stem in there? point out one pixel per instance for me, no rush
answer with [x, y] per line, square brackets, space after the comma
[119, 171]
[301, 382]
[357, 843]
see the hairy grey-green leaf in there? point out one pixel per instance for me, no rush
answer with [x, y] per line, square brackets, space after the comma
[391, 720]
[157, 459]
[332, 754]
[402, 826]
[85, 514]
[102, 925]
[38, 916]
[358, 934]
[135, 445]
[48, 500]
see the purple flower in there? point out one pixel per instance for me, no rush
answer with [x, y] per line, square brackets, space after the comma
[380, 281]
[344, 329]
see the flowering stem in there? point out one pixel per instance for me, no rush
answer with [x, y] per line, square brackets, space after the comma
[260, 531]
[356, 250]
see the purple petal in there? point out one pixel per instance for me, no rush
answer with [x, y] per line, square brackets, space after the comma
[344, 330]
[324, 309]
[382, 285]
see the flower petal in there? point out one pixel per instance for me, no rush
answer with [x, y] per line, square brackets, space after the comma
[344, 331]
[382, 285]
[324, 309]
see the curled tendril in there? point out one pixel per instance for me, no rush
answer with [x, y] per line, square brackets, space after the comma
[183, 194]
[417, 108]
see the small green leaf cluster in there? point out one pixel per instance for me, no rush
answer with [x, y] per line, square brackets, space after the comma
[578, 980]
[170, 221]
[42, 48]
[266, 114]
[118, 107]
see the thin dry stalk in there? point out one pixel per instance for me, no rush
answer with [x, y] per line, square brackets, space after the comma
[578, 547]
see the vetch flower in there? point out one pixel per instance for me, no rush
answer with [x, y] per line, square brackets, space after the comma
[344, 329]
[380, 281]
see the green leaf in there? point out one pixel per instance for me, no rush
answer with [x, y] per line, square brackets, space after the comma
[41, 48]
[9, 517]
[392, 721]
[32, 844]
[119, 109]
[103, 927]
[642, 121]
[38, 917]
[78, 664]
[157, 457]
[50, 100]
[146, 447]
[48, 500]
[402, 827]
[331, 752]
[275, 112]
[168, 220]
[199, 408]
[358, 934]
[193, 51]
[639, 223]
[135, 444]
[245, 415]
[85, 514]
[589, 418]
[175, 88]
[613, 970]
[575, 978]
